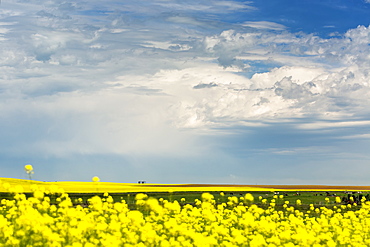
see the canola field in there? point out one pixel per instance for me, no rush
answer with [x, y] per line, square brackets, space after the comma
[48, 216]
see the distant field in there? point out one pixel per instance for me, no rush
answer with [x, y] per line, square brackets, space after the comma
[92, 187]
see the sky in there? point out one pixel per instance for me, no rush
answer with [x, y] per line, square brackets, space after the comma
[186, 91]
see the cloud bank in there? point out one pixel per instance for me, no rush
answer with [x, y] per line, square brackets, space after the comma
[154, 78]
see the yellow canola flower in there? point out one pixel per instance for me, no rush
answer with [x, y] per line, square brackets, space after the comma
[28, 168]
[141, 196]
[207, 197]
[249, 197]
[49, 219]
[38, 194]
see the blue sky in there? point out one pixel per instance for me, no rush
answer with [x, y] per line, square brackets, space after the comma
[249, 92]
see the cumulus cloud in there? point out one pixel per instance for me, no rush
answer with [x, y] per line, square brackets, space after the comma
[334, 81]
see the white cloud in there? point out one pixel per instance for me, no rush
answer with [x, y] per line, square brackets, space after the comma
[215, 6]
[264, 25]
[359, 136]
[334, 124]
[286, 92]
[4, 30]
[231, 5]
[298, 74]
[330, 83]
[167, 46]
[119, 30]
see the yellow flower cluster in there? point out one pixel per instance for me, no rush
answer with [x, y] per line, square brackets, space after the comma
[38, 221]
[28, 168]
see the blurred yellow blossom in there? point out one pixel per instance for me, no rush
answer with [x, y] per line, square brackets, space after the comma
[29, 170]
